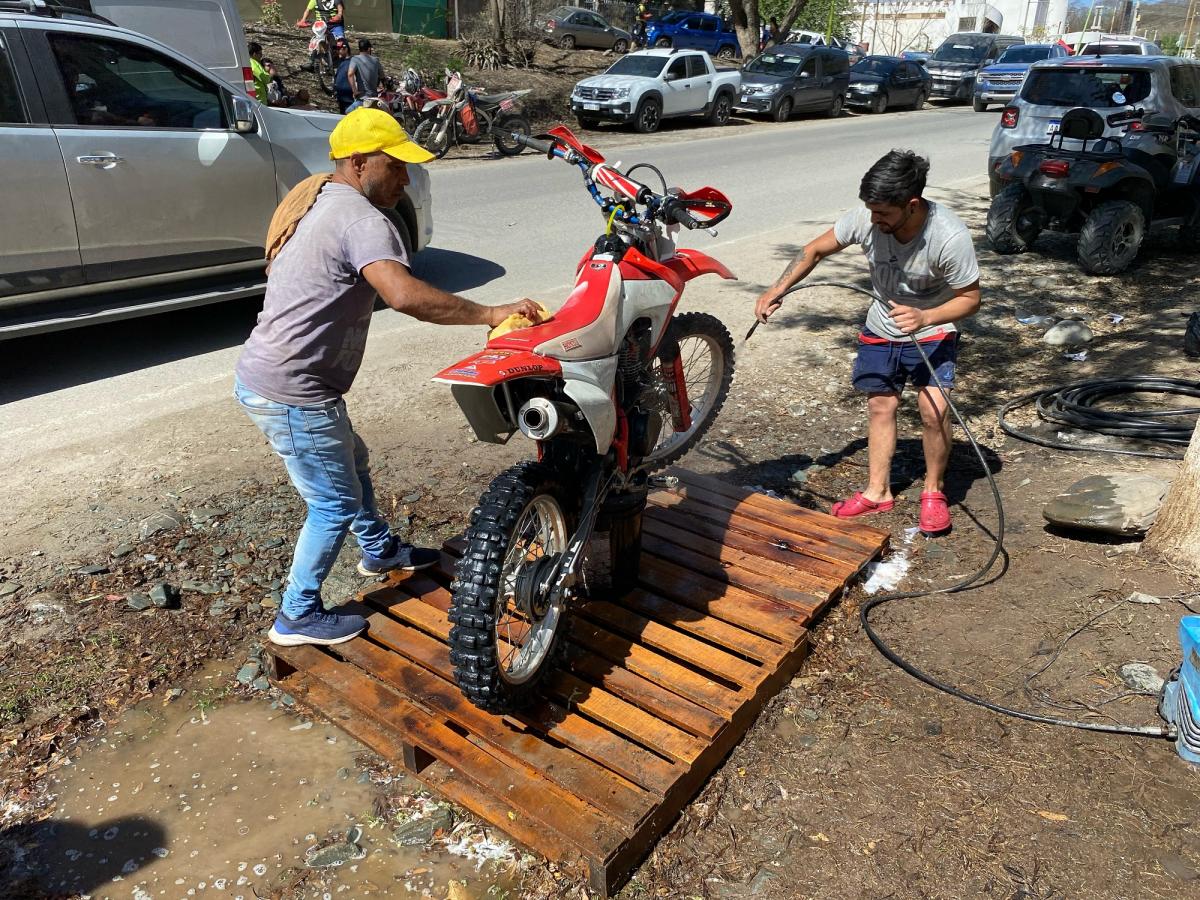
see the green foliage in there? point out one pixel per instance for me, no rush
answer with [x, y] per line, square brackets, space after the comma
[815, 15]
[272, 13]
[1170, 44]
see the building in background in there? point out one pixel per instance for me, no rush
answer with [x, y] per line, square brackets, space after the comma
[891, 26]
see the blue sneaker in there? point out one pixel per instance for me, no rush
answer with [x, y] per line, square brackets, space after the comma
[320, 627]
[405, 557]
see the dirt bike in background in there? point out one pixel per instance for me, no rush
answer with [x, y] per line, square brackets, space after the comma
[613, 387]
[322, 55]
[466, 117]
[407, 100]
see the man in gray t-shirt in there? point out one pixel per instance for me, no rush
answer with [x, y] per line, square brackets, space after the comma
[924, 278]
[308, 345]
[366, 71]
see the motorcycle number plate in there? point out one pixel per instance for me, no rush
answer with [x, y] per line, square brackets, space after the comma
[1052, 126]
[594, 107]
[506, 104]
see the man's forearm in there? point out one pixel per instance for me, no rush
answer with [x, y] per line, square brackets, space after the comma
[431, 304]
[954, 309]
[797, 270]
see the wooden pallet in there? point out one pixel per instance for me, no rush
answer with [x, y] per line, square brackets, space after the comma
[656, 690]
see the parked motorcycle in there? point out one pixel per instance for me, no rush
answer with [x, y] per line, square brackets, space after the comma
[613, 387]
[1108, 193]
[465, 117]
[408, 99]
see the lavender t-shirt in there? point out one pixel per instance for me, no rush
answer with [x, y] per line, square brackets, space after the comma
[310, 337]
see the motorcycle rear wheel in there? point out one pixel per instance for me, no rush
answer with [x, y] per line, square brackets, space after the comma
[706, 349]
[504, 624]
[502, 134]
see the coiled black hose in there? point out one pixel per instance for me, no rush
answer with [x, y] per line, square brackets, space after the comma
[1076, 405]
[1156, 731]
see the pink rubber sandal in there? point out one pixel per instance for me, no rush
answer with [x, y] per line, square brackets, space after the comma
[935, 514]
[858, 505]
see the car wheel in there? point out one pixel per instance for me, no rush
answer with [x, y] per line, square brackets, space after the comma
[1013, 223]
[726, 53]
[783, 111]
[663, 42]
[979, 105]
[720, 110]
[567, 42]
[879, 103]
[621, 46]
[835, 108]
[648, 116]
[919, 103]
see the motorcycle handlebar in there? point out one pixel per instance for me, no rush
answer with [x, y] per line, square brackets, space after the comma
[543, 147]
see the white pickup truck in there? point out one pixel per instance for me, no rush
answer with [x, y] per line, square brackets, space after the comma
[651, 85]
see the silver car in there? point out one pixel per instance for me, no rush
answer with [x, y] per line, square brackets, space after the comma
[573, 26]
[1117, 87]
[135, 180]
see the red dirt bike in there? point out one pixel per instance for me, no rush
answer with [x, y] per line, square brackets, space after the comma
[612, 388]
[466, 117]
[408, 100]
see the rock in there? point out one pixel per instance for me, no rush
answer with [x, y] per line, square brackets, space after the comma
[92, 570]
[333, 855]
[762, 883]
[260, 683]
[138, 602]
[205, 514]
[184, 545]
[412, 498]
[1041, 282]
[1146, 599]
[241, 559]
[200, 587]
[217, 608]
[1068, 333]
[175, 693]
[123, 550]
[287, 699]
[419, 832]
[164, 596]
[167, 520]
[248, 672]
[273, 543]
[1113, 504]
[219, 551]
[343, 773]
[271, 601]
[1141, 677]
[8, 588]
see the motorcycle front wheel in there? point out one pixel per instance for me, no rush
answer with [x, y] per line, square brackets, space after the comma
[432, 138]
[505, 621]
[502, 134]
[705, 349]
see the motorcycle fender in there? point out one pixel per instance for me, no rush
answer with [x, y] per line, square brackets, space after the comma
[480, 405]
[479, 386]
[590, 385]
[689, 264]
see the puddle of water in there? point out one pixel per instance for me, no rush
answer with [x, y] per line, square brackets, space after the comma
[172, 803]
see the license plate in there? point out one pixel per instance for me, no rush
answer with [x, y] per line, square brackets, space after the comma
[1052, 126]
[594, 107]
[506, 104]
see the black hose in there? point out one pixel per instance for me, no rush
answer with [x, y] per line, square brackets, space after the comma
[1158, 731]
[1075, 405]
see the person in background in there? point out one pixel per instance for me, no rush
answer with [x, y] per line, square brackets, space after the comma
[262, 81]
[331, 12]
[365, 74]
[342, 92]
[277, 92]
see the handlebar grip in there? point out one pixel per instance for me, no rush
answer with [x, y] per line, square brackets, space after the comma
[546, 149]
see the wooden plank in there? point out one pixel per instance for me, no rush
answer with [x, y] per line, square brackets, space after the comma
[817, 548]
[578, 823]
[589, 782]
[702, 655]
[814, 522]
[737, 640]
[755, 554]
[614, 752]
[715, 597]
[661, 541]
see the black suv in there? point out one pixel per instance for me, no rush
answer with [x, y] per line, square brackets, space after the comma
[790, 78]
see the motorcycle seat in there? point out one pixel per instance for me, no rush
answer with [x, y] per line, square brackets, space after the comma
[491, 99]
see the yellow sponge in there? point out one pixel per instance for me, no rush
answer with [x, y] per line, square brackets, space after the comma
[517, 321]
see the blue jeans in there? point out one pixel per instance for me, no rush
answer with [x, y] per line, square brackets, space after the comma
[327, 463]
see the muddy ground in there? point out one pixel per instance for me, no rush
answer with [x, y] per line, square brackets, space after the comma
[856, 781]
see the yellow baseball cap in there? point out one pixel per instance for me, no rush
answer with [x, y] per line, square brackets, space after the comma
[374, 131]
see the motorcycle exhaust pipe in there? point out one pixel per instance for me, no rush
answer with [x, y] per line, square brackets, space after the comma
[540, 419]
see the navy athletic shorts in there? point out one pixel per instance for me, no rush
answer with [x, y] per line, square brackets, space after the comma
[884, 366]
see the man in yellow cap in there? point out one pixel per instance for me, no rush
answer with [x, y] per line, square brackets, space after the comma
[307, 347]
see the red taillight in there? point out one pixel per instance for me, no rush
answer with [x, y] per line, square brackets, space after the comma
[1055, 168]
[1008, 118]
[1136, 126]
[251, 88]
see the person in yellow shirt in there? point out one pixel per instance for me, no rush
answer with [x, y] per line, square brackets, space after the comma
[262, 81]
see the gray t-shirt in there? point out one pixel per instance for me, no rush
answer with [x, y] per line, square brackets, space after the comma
[367, 71]
[924, 273]
[311, 334]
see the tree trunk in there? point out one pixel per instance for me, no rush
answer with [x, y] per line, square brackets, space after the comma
[744, 14]
[497, 17]
[1175, 535]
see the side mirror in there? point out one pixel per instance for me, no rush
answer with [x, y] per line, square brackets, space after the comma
[243, 116]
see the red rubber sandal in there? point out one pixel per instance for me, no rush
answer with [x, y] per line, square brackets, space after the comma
[935, 514]
[858, 505]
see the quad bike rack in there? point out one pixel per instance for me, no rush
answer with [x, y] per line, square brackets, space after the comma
[656, 687]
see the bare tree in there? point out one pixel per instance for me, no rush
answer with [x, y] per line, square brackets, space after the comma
[1175, 535]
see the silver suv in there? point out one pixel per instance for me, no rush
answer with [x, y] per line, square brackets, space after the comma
[136, 181]
[1114, 86]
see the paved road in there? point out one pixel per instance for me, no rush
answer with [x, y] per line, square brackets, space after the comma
[503, 229]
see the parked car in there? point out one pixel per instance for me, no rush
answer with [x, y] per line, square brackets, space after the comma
[572, 26]
[694, 31]
[135, 180]
[881, 82]
[957, 60]
[917, 56]
[1114, 86]
[651, 85]
[790, 78]
[1121, 47]
[998, 82]
[799, 36]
